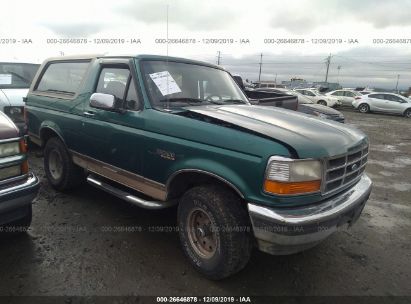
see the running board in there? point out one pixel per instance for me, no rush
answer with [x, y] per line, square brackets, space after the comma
[94, 181]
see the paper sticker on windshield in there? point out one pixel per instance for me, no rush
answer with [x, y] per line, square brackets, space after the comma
[5, 78]
[165, 83]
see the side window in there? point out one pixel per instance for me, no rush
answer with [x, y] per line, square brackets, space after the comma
[113, 81]
[336, 93]
[310, 93]
[377, 96]
[62, 77]
[393, 98]
[349, 94]
[132, 102]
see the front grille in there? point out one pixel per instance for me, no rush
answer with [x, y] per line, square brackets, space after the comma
[345, 169]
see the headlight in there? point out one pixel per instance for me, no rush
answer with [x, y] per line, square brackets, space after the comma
[8, 149]
[286, 176]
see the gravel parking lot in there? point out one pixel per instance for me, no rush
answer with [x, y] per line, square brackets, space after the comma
[87, 242]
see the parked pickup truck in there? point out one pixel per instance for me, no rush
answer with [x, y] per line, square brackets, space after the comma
[161, 131]
[15, 80]
[18, 187]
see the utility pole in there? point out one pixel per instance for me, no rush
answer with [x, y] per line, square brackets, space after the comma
[218, 57]
[396, 86]
[327, 62]
[275, 81]
[261, 63]
[338, 75]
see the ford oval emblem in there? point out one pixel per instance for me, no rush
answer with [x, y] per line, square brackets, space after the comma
[354, 167]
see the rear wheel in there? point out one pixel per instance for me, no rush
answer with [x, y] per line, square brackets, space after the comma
[364, 108]
[322, 102]
[60, 170]
[214, 231]
[407, 113]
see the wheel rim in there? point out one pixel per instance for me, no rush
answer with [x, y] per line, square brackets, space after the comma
[363, 109]
[322, 103]
[408, 114]
[55, 164]
[201, 233]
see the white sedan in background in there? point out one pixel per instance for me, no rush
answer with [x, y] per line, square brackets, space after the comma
[317, 97]
[383, 102]
[345, 96]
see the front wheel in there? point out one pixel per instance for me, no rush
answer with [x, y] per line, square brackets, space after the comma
[214, 231]
[407, 113]
[322, 102]
[364, 108]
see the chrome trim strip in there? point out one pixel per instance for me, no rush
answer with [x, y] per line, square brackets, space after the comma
[314, 214]
[121, 176]
[172, 176]
[12, 160]
[5, 141]
[127, 196]
[13, 179]
[31, 181]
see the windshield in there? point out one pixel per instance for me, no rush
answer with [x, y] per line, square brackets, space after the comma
[17, 75]
[177, 84]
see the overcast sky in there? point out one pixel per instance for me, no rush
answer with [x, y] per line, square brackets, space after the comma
[360, 64]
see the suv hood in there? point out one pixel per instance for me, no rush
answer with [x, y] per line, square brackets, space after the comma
[14, 97]
[309, 137]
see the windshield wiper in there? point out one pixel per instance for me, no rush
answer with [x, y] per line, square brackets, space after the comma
[234, 101]
[182, 99]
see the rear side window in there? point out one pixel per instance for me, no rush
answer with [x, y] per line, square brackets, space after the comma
[63, 77]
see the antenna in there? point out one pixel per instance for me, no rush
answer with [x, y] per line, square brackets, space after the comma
[168, 102]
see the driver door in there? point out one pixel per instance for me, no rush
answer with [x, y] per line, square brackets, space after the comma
[114, 137]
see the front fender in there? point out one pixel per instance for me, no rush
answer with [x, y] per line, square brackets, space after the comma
[212, 168]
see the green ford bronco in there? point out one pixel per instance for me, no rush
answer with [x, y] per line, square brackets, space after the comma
[161, 131]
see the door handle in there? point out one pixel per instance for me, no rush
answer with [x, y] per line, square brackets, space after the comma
[89, 113]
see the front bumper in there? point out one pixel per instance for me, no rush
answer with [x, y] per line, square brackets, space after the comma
[14, 197]
[282, 231]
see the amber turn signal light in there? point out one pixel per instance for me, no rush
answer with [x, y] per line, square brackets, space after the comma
[285, 188]
[23, 146]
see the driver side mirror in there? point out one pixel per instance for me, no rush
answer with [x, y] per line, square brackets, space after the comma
[105, 102]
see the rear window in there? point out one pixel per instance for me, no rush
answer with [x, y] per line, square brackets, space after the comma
[63, 77]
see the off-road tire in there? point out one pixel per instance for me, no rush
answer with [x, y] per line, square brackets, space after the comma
[225, 210]
[364, 108]
[322, 102]
[71, 175]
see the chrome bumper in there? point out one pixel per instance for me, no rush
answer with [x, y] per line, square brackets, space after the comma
[290, 230]
[19, 194]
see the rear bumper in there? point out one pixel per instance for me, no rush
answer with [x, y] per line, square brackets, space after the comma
[290, 230]
[15, 197]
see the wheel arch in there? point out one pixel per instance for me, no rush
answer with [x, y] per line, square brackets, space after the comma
[48, 131]
[182, 180]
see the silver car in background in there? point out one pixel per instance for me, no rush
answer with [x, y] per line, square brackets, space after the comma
[383, 102]
[345, 96]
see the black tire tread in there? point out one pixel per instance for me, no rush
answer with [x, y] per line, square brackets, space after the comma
[227, 205]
